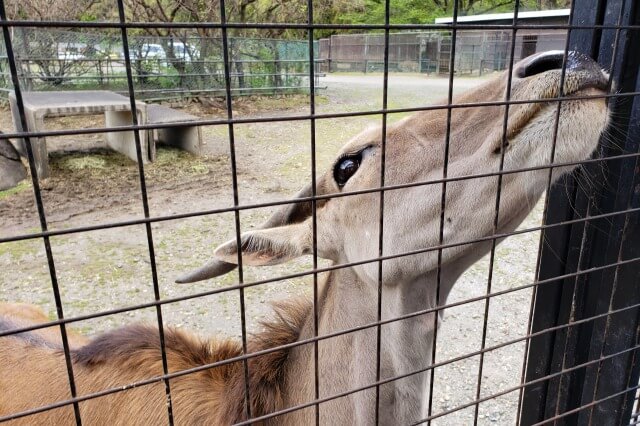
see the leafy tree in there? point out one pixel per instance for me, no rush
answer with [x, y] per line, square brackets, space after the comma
[49, 10]
[425, 11]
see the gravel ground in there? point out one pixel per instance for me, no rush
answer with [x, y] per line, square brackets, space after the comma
[110, 268]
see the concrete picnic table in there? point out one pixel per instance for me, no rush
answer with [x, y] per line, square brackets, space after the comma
[116, 109]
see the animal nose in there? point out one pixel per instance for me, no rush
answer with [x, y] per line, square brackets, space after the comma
[552, 60]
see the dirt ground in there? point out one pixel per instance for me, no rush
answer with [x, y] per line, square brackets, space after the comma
[110, 268]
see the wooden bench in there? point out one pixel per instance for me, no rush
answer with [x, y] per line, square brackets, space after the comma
[187, 137]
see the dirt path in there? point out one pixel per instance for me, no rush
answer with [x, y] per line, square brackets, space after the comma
[110, 268]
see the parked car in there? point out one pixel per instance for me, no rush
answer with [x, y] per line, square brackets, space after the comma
[147, 51]
[185, 52]
[70, 51]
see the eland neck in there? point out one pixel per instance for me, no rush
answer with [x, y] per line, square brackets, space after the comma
[348, 361]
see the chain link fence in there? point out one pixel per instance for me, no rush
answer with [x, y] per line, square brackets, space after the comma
[477, 52]
[192, 66]
[163, 67]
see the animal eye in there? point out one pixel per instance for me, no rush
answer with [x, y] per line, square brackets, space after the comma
[346, 167]
[498, 150]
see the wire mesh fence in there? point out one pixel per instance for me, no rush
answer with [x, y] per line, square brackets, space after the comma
[163, 67]
[478, 52]
[579, 347]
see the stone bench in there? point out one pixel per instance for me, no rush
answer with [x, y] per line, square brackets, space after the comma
[185, 137]
[116, 109]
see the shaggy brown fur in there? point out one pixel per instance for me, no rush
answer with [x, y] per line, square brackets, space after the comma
[21, 315]
[213, 396]
[266, 372]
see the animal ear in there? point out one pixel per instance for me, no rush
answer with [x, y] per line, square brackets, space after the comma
[291, 213]
[287, 214]
[268, 246]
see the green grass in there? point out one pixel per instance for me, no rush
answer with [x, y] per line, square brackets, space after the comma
[93, 163]
[25, 184]
[85, 162]
[183, 161]
[20, 249]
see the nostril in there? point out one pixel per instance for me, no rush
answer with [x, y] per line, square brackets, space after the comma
[540, 63]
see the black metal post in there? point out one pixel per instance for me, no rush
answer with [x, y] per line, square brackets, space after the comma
[612, 186]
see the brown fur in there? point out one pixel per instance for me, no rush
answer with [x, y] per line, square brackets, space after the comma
[21, 315]
[213, 396]
[266, 372]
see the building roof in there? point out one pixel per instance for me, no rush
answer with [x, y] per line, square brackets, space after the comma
[509, 15]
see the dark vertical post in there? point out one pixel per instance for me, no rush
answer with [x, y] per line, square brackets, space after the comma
[8, 44]
[139, 140]
[314, 217]
[601, 244]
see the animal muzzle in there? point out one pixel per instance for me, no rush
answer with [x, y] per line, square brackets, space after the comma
[581, 68]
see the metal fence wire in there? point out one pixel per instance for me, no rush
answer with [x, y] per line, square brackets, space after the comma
[582, 340]
[478, 52]
[164, 68]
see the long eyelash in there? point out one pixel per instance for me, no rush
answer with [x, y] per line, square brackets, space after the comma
[351, 154]
[342, 157]
[498, 150]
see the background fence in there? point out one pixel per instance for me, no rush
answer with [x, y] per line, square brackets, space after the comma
[477, 52]
[191, 66]
[163, 67]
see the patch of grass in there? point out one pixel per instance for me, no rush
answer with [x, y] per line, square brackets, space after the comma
[100, 269]
[295, 167]
[227, 280]
[85, 162]
[181, 162]
[108, 170]
[199, 169]
[392, 118]
[168, 156]
[183, 232]
[19, 249]
[133, 292]
[79, 304]
[25, 184]
[284, 101]
[95, 164]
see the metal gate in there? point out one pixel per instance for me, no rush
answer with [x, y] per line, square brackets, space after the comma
[582, 362]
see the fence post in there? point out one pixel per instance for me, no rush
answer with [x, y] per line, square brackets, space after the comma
[277, 78]
[23, 57]
[366, 53]
[100, 73]
[330, 52]
[592, 244]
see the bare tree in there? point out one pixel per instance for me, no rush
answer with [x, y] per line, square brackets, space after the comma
[43, 47]
[207, 68]
[49, 10]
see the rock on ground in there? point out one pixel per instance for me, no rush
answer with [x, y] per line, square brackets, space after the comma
[12, 170]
